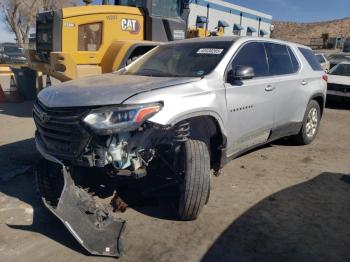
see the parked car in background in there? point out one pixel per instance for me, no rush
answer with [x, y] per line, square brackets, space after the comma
[339, 80]
[11, 54]
[346, 48]
[338, 58]
[189, 106]
[323, 61]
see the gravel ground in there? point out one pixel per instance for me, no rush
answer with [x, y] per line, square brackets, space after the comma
[278, 203]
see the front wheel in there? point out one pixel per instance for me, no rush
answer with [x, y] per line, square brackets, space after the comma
[195, 186]
[311, 124]
[49, 181]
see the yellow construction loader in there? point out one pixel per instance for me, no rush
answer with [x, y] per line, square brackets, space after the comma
[201, 29]
[95, 39]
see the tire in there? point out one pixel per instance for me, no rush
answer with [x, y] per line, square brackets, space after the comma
[195, 187]
[49, 181]
[311, 124]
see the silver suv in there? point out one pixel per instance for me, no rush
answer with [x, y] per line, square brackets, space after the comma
[188, 107]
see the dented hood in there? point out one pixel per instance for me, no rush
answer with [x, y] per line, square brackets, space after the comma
[108, 89]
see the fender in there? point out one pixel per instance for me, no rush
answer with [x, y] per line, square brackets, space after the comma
[323, 99]
[209, 113]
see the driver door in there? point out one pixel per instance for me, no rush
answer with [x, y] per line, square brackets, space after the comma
[250, 103]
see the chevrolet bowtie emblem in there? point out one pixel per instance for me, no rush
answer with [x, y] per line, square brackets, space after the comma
[44, 117]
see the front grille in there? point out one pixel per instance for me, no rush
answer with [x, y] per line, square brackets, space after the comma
[60, 131]
[340, 88]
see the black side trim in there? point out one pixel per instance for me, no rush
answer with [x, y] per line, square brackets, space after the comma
[289, 129]
[277, 133]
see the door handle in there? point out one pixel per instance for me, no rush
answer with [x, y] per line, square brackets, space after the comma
[304, 83]
[270, 88]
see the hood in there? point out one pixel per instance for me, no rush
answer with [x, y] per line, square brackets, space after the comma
[107, 89]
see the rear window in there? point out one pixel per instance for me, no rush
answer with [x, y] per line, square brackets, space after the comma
[281, 60]
[320, 58]
[12, 49]
[296, 65]
[311, 59]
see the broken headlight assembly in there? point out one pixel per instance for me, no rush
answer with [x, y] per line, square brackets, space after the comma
[110, 120]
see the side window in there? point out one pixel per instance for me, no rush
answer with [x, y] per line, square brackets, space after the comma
[90, 37]
[166, 8]
[280, 61]
[253, 55]
[311, 59]
[295, 62]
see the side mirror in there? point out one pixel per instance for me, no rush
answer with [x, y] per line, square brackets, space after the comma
[240, 73]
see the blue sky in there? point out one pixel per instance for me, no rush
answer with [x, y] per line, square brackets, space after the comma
[287, 10]
[299, 10]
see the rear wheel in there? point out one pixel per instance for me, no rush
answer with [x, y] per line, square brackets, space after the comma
[311, 124]
[195, 186]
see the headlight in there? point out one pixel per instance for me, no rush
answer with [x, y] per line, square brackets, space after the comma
[109, 120]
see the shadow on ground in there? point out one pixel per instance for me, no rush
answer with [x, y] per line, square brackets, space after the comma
[17, 181]
[17, 158]
[22, 187]
[306, 222]
[22, 109]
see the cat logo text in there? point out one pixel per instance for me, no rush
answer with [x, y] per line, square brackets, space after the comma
[131, 25]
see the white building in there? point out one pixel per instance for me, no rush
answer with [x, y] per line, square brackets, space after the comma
[240, 20]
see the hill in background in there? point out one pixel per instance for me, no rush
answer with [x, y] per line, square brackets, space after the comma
[311, 33]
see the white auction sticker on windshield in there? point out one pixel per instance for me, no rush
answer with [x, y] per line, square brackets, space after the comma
[210, 51]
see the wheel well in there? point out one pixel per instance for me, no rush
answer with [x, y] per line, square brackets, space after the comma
[320, 101]
[207, 129]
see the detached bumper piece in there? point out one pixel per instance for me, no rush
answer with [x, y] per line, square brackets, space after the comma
[89, 222]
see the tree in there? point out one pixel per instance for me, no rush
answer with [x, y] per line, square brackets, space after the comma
[20, 15]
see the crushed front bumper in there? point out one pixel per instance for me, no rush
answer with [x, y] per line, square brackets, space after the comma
[91, 224]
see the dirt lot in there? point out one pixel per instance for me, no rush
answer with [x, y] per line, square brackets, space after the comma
[278, 203]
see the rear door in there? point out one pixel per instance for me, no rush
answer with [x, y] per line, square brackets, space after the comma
[287, 82]
[250, 103]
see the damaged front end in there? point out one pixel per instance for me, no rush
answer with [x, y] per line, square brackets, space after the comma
[112, 139]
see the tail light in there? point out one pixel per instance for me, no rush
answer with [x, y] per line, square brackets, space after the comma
[325, 78]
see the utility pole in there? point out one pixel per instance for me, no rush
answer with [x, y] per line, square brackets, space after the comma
[207, 24]
[240, 22]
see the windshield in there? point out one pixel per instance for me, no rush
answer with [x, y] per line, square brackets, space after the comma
[181, 59]
[341, 70]
[12, 49]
